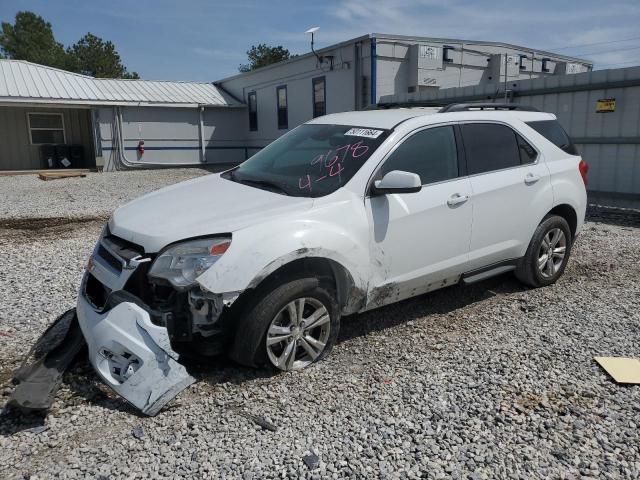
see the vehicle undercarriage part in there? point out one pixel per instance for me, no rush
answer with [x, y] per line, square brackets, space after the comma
[193, 318]
[205, 308]
[39, 376]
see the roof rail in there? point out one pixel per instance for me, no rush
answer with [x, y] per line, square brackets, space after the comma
[465, 107]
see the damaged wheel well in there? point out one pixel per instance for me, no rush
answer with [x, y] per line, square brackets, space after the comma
[350, 298]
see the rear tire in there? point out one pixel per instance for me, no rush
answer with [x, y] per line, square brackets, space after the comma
[547, 254]
[288, 326]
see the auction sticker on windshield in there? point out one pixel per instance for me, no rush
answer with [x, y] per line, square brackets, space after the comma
[364, 132]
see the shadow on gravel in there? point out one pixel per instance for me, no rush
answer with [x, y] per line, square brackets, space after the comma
[619, 217]
[86, 387]
[221, 370]
[442, 301]
[13, 421]
[81, 385]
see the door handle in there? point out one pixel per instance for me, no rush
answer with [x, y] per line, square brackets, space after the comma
[457, 199]
[531, 178]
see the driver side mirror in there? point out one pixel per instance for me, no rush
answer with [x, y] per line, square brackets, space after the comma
[397, 181]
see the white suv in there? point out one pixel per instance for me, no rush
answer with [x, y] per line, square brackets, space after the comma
[345, 213]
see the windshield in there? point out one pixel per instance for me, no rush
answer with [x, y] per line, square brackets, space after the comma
[310, 161]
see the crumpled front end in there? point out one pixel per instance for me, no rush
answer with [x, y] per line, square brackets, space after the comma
[132, 355]
[129, 325]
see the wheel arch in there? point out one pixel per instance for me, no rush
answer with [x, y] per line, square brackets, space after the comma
[567, 212]
[350, 297]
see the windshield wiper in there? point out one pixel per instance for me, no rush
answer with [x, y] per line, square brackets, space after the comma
[266, 184]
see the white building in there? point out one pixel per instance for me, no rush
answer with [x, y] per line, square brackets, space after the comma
[353, 75]
[132, 123]
[51, 118]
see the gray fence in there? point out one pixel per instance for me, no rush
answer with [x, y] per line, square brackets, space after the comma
[607, 134]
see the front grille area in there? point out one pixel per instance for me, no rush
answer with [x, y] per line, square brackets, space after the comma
[121, 247]
[116, 252]
[110, 270]
[95, 292]
[111, 259]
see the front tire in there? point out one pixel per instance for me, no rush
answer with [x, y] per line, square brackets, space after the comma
[547, 254]
[289, 326]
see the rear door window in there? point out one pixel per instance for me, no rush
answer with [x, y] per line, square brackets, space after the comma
[489, 147]
[553, 131]
[430, 153]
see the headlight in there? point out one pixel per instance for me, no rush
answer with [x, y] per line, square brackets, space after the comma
[182, 263]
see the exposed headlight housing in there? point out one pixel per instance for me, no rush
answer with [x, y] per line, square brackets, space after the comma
[182, 263]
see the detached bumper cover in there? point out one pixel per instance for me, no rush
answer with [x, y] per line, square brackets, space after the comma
[132, 355]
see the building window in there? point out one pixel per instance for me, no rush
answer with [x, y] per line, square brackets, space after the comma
[283, 114]
[46, 128]
[253, 111]
[446, 58]
[522, 60]
[319, 97]
[545, 67]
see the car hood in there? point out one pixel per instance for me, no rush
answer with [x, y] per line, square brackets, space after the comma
[202, 206]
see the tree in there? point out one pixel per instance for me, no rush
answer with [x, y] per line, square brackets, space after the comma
[93, 56]
[31, 39]
[263, 55]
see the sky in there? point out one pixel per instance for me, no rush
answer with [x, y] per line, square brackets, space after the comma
[199, 40]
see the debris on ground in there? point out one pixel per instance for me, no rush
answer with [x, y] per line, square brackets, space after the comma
[312, 461]
[257, 419]
[57, 175]
[621, 369]
[38, 429]
[39, 376]
[138, 432]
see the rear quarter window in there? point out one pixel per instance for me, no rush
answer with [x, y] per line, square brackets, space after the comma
[553, 131]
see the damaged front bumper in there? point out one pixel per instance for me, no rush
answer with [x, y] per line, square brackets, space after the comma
[132, 355]
[128, 342]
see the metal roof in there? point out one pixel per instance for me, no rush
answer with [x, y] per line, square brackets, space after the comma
[26, 82]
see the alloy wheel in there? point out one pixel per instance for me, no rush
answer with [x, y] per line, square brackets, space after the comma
[298, 334]
[552, 252]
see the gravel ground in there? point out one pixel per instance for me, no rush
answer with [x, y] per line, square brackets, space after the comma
[96, 195]
[483, 381]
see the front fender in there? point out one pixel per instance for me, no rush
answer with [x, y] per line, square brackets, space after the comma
[257, 252]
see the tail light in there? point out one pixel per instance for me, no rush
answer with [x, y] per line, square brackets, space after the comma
[584, 168]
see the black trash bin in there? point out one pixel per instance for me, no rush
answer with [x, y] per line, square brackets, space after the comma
[48, 156]
[76, 155]
[63, 159]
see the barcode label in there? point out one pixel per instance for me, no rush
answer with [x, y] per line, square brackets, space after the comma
[364, 132]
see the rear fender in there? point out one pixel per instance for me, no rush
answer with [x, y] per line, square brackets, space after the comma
[568, 187]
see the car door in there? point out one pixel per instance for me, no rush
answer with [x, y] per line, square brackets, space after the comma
[420, 240]
[511, 192]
